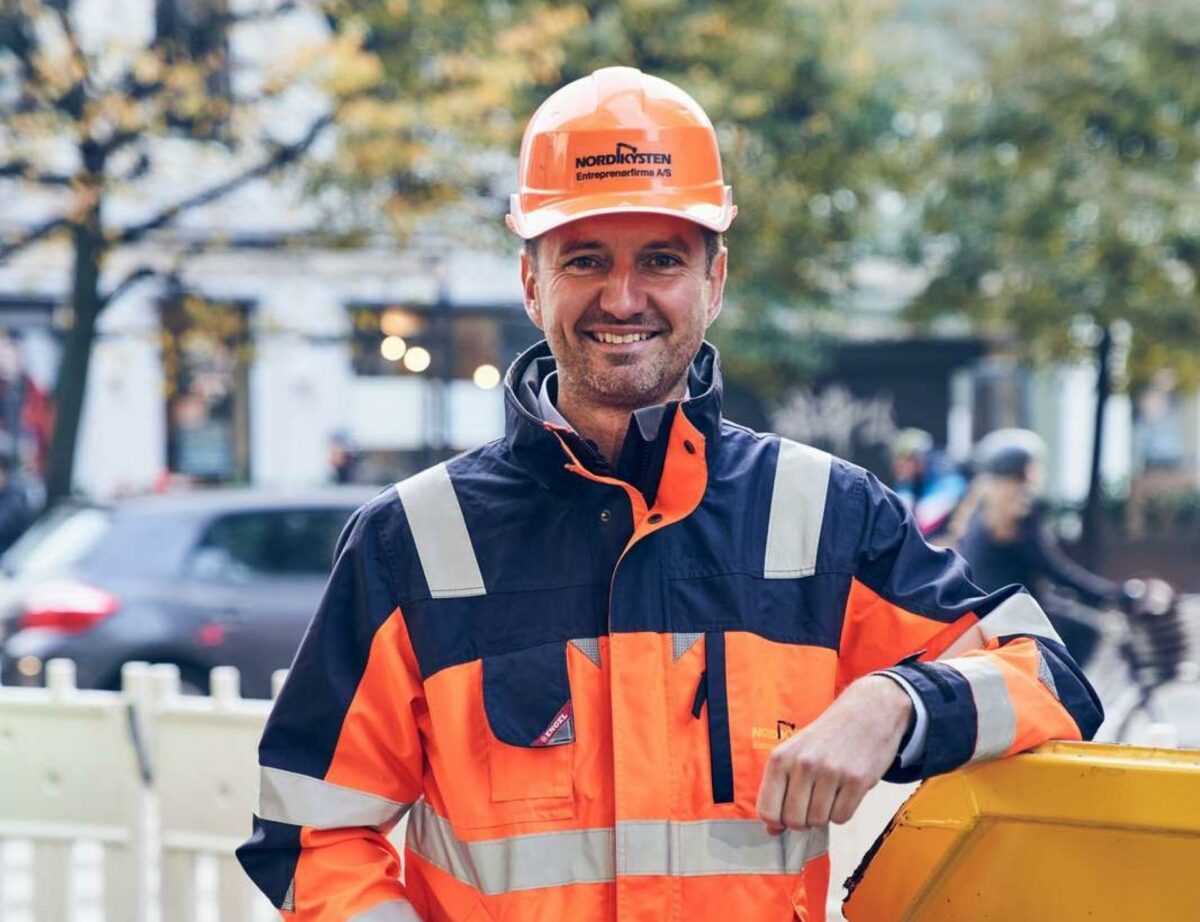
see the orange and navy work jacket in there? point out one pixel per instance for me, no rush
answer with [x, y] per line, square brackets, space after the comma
[571, 685]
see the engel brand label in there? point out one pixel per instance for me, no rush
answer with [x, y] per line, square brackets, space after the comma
[547, 736]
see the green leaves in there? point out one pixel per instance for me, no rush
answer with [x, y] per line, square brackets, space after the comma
[1069, 178]
[803, 109]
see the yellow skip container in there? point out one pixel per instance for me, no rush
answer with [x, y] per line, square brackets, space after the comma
[1069, 831]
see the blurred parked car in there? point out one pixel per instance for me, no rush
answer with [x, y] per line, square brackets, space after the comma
[202, 579]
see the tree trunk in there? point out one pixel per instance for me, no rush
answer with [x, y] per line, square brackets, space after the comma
[1092, 508]
[88, 243]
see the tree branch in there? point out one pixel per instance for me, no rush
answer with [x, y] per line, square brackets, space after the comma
[20, 39]
[258, 15]
[139, 169]
[63, 13]
[281, 156]
[141, 272]
[23, 169]
[38, 233]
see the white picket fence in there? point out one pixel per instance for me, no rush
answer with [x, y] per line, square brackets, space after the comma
[127, 806]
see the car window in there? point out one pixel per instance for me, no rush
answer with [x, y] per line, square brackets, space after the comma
[243, 545]
[57, 541]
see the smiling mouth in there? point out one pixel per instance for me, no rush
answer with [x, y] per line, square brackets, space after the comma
[617, 339]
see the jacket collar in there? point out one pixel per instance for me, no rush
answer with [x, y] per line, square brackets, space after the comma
[538, 449]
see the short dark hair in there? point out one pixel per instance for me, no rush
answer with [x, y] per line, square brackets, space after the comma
[712, 246]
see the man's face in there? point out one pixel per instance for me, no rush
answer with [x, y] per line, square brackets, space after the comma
[624, 301]
[907, 467]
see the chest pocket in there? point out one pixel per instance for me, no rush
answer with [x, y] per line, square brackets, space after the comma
[527, 700]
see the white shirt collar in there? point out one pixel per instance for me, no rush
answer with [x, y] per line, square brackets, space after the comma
[550, 412]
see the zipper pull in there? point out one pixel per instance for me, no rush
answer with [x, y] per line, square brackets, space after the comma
[701, 695]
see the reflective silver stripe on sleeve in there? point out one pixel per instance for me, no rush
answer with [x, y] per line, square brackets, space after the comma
[797, 511]
[1017, 615]
[440, 533]
[1045, 676]
[288, 797]
[713, 847]
[970, 639]
[997, 719]
[643, 847]
[391, 911]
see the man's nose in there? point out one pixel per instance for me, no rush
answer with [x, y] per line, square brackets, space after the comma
[623, 295]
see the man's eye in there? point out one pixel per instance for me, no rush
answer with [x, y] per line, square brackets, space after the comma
[583, 262]
[664, 261]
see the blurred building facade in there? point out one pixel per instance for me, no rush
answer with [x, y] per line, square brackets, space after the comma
[251, 357]
[253, 366]
[883, 376]
[256, 360]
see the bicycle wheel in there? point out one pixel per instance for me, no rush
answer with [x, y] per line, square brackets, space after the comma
[1169, 716]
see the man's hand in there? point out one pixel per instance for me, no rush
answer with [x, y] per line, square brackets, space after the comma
[822, 773]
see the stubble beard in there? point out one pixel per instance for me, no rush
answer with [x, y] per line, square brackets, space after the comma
[627, 382]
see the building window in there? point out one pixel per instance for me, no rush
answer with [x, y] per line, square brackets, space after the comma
[391, 341]
[403, 340]
[206, 361]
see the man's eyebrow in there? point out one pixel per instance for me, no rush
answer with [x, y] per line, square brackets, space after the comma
[671, 243]
[576, 245]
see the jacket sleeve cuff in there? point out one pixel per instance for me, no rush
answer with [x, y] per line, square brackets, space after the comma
[952, 720]
[912, 746]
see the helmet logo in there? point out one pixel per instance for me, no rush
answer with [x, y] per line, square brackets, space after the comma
[625, 153]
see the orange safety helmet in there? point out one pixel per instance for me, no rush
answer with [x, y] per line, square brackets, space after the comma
[619, 141]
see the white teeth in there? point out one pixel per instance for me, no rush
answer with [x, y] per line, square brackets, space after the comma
[617, 338]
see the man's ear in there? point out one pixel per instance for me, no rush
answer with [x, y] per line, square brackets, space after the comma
[716, 286]
[533, 307]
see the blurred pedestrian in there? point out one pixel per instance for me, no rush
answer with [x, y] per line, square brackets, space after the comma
[1006, 539]
[344, 460]
[926, 480]
[16, 512]
[630, 660]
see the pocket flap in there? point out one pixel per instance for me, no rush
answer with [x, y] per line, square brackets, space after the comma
[527, 696]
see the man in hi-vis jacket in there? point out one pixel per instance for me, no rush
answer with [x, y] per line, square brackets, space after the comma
[630, 660]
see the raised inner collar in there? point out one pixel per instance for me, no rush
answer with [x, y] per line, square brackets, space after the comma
[537, 449]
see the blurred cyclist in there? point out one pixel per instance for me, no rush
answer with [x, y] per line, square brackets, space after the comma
[927, 482]
[1006, 539]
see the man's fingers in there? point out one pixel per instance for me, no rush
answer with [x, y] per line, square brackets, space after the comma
[771, 793]
[799, 794]
[824, 790]
[849, 796]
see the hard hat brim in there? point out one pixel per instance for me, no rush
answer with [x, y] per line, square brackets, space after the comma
[678, 204]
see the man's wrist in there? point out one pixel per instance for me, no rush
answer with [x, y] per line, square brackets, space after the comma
[889, 690]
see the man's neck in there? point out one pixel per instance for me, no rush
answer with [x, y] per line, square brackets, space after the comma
[603, 424]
